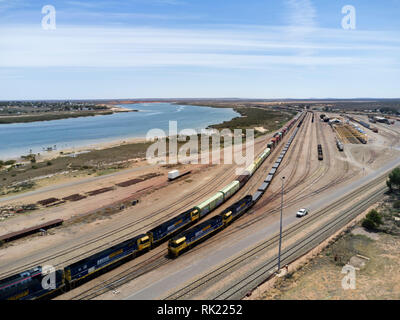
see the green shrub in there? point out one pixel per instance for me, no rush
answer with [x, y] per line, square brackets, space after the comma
[49, 163]
[372, 220]
[375, 217]
[396, 204]
[394, 180]
[9, 162]
[368, 224]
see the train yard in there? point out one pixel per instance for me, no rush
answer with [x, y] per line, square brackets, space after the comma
[205, 271]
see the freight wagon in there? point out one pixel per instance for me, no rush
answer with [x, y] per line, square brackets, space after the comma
[320, 155]
[243, 178]
[210, 204]
[250, 169]
[230, 189]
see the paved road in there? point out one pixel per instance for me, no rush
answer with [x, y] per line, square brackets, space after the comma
[178, 278]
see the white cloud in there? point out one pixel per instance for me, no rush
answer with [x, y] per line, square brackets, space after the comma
[301, 20]
[229, 47]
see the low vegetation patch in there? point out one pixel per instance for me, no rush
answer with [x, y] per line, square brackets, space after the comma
[372, 221]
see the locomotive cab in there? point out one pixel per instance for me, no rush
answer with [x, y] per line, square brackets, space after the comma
[195, 215]
[143, 243]
[175, 246]
[227, 217]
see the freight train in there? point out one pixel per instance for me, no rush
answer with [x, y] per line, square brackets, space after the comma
[199, 233]
[28, 285]
[320, 155]
[188, 239]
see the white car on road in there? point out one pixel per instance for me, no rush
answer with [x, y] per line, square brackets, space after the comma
[301, 213]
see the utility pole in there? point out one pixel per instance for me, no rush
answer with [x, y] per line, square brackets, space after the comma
[280, 230]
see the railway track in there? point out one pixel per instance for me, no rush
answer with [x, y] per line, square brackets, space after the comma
[289, 200]
[255, 220]
[261, 173]
[249, 281]
[157, 260]
[297, 153]
[203, 191]
[128, 275]
[230, 173]
[120, 279]
[296, 251]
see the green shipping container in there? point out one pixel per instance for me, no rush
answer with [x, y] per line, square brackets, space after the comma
[230, 189]
[210, 204]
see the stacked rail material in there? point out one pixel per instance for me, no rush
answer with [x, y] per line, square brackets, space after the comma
[28, 231]
[74, 197]
[56, 203]
[108, 259]
[137, 180]
[48, 201]
[358, 133]
[320, 155]
[346, 134]
[98, 191]
[129, 182]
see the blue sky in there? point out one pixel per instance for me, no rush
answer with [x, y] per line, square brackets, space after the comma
[185, 48]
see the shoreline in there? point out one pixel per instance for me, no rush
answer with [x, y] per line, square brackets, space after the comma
[28, 118]
[100, 145]
[49, 155]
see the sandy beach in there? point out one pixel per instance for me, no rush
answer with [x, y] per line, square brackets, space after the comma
[48, 155]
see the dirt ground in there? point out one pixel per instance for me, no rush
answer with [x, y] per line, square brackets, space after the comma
[374, 255]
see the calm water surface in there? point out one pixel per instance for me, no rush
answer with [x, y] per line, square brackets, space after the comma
[19, 138]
